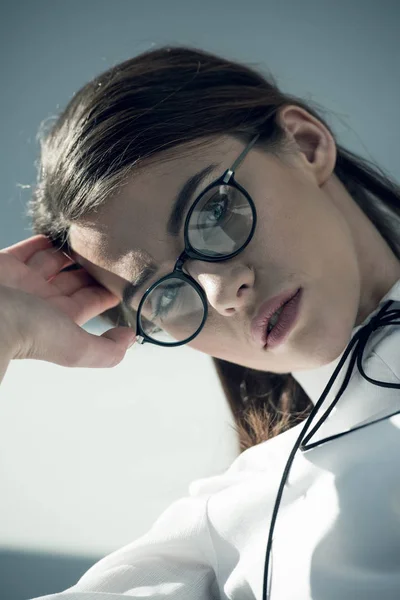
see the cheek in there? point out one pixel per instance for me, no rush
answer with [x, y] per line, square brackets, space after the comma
[214, 339]
[293, 227]
[275, 215]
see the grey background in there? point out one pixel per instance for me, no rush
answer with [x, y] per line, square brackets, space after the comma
[343, 55]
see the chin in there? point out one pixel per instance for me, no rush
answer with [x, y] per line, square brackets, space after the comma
[316, 347]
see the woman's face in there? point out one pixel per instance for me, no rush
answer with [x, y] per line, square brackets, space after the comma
[309, 234]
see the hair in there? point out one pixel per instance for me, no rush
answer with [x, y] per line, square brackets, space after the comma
[159, 100]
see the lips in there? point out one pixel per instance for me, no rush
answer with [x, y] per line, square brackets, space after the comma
[260, 322]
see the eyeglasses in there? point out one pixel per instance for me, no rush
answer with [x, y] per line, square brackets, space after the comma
[219, 225]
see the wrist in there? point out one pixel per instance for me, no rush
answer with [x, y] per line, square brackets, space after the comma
[8, 346]
[9, 342]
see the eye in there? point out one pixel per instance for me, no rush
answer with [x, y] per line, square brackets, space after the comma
[217, 208]
[166, 301]
[215, 211]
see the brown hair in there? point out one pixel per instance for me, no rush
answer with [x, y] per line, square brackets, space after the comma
[161, 99]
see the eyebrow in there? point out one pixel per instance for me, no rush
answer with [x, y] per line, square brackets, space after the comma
[174, 226]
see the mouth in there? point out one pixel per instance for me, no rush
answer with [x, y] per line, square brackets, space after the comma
[286, 320]
[274, 316]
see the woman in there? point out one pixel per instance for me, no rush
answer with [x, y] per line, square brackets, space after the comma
[188, 199]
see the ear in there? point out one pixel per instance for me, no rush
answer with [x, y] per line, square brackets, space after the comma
[314, 143]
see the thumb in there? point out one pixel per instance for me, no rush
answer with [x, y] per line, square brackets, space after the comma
[104, 351]
[122, 336]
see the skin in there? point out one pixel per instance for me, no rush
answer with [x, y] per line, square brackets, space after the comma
[310, 233]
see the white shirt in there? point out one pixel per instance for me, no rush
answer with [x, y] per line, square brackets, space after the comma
[337, 534]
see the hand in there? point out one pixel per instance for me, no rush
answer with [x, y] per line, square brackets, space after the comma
[42, 309]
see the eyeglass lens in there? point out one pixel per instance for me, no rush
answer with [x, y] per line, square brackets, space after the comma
[220, 224]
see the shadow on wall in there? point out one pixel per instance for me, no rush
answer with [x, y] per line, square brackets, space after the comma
[28, 574]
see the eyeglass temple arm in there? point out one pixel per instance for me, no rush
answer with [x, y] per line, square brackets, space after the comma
[240, 158]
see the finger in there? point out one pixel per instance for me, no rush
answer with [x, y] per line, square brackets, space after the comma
[39, 253]
[24, 249]
[69, 282]
[79, 348]
[48, 262]
[106, 350]
[85, 304]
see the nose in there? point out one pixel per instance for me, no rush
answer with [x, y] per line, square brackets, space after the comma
[228, 285]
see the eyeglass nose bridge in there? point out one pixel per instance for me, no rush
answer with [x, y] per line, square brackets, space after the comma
[180, 261]
[190, 254]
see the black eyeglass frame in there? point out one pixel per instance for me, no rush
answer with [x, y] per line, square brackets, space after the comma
[228, 178]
